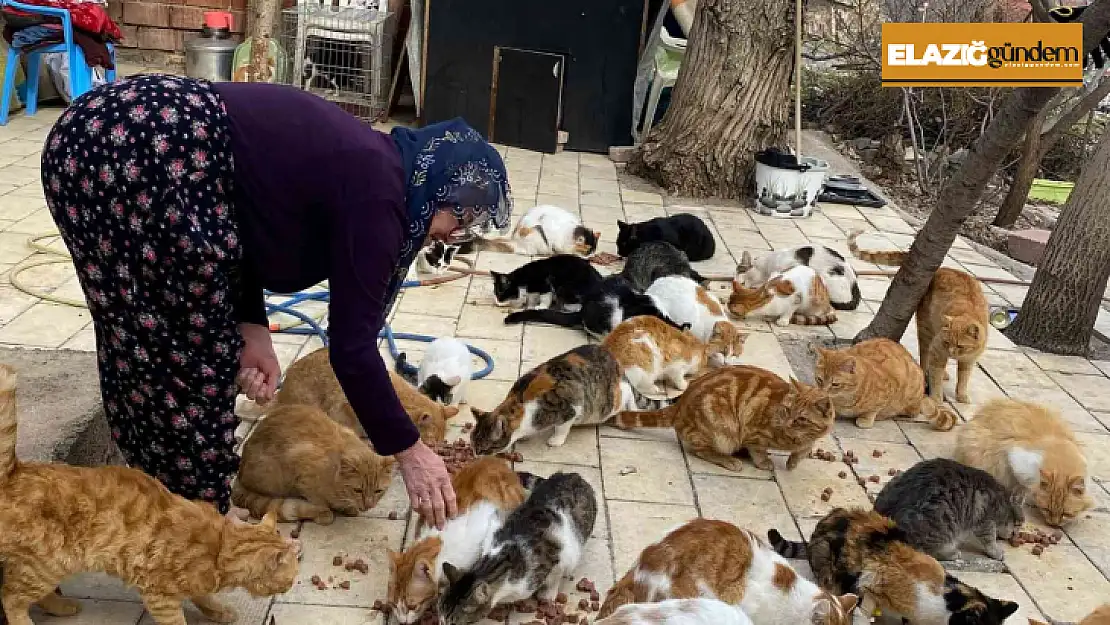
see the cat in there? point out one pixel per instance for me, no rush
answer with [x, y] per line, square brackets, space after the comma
[299, 464]
[797, 295]
[653, 260]
[684, 301]
[717, 560]
[545, 230]
[445, 370]
[743, 407]
[580, 387]
[1028, 446]
[558, 282]
[436, 258]
[952, 322]
[61, 520]
[310, 381]
[941, 504]
[649, 349]
[540, 543]
[683, 230]
[699, 611]
[603, 309]
[865, 553]
[878, 379]
[486, 491]
[1101, 616]
[837, 274]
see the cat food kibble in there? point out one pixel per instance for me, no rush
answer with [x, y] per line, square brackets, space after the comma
[561, 597]
[358, 565]
[527, 606]
[345, 585]
[1038, 550]
[337, 561]
[585, 585]
[842, 475]
[378, 606]
[512, 456]
[875, 453]
[861, 482]
[583, 604]
[826, 496]
[296, 533]
[595, 606]
[499, 613]
[455, 455]
[594, 595]
[393, 515]
[874, 478]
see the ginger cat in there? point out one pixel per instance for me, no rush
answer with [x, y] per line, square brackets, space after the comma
[649, 349]
[798, 294]
[486, 490]
[878, 379]
[1028, 446]
[952, 322]
[311, 382]
[299, 464]
[705, 558]
[60, 520]
[1101, 616]
[742, 407]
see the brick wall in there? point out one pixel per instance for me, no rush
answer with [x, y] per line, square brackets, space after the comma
[165, 25]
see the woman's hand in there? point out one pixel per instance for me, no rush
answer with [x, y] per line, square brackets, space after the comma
[428, 483]
[259, 370]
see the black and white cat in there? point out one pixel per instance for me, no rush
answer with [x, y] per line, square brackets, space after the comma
[435, 258]
[834, 270]
[603, 308]
[555, 282]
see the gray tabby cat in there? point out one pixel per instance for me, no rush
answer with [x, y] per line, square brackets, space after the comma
[656, 259]
[540, 543]
[941, 504]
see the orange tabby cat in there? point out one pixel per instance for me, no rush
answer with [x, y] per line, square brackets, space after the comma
[486, 490]
[743, 407]
[59, 520]
[299, 464]
[951, 322]
[878, 379]
[648, 349]
[1028, 446]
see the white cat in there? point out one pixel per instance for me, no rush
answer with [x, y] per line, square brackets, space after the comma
[686, 302]
[702, 611]
[547, 229]
[798, 295]
[837, 273]
[445, 371]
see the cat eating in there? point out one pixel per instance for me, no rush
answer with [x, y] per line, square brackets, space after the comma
[436, 258]
[542, 231]
[835, 272]
[683, 230]
[649, 349]
[558, 282]
[684, 301]
[797, 295]
[653, 260]
[445, 370]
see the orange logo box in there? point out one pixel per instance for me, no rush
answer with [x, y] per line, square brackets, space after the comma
[982, 55]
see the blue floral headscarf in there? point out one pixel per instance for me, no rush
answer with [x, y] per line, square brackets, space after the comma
[449, 166]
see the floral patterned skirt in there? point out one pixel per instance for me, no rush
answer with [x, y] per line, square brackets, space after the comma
[138, 175]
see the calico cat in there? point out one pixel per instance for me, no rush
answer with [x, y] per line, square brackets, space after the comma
[684, 231]
[486, 491]
[878, 379]
[310, 381]
[602, 309]
[834, 270]
[952, 322]
[546, 230]
[540, 543]
[558, 281]
[718, 560]
[436, 258]
[743, 407]
[1101, 616]
[649, 349]
[653, 260]
[797, 295]
[580, 387]
[865, 553]
[684, 301]
[299, 464]
[60, 520]
[699, 611]
[444, 373]
[941, 504]
[1028, 446]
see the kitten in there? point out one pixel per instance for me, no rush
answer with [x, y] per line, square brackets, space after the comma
[797, 295]
[546, 230]
[865, 553]
[878, 379]
[558, 281]
[299, 464]
[834, 270]
[941, 504]
[700, 611]
[683, 230]
[60, 520]
[603, 309]
[653, 260]
[580, 387]
[1028, 446]
[952, 322]
[540, 543]
[310, 381]
[684, 301]
[1101, 616]
[649, 349]
[718, 560]
[445, 370]
[486, 491]
[436, 258]
[743, 407]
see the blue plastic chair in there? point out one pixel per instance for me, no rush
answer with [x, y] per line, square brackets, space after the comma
[80, 74]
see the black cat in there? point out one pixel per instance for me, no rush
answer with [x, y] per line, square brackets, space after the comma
[684, 231]
[655, 259]
[556, 281]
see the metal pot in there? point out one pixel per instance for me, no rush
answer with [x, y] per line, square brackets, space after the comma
[209, 55]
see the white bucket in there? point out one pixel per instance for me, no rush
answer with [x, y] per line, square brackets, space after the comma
[793, 193]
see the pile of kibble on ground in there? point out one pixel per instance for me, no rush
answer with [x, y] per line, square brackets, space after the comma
[546, 612]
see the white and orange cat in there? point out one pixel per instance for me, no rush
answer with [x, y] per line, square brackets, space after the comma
[684, 301]
[798, 294]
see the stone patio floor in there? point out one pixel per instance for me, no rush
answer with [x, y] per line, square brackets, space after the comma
[667, 486]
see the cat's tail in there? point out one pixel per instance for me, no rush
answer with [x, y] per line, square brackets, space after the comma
[661, 418]
[622, 593]
[287, 510]
[786, 548]
[401, 366]
[851, 304]
[697, 277]
[547, 315]
[822, 319]
[8, 461]
[529, 480]
[892, 258]
[941, 416]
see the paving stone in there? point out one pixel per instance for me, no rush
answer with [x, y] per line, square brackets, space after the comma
[1003, 586]
[1088, 532]
[1061, 364]
[543, 342]
[1061, 580]
[251, 610]
[762, 349]
[802, 488]
[637, 525]
[660, 471]
[1074, 414]
[1092, 391]
[755, 505]
[581, 448]
[1096, 447]
[893, 456]
[1010, 370]
[353, 538]
[294, 614]
[94, 612]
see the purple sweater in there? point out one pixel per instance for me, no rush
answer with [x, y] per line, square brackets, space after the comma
[321, 196]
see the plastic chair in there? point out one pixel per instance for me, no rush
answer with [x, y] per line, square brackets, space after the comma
[668, 60]
[80, 74]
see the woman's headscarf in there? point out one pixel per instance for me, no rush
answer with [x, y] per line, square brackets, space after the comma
[449, 166]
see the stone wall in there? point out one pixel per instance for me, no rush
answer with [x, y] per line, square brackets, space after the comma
[165, 25]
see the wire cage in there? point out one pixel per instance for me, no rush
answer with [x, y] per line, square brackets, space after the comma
[340, 50]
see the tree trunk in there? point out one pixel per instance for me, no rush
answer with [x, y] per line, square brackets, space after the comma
[1063, 301]
[264, 14]
[732, 100]
[961, 194]
[1031, 155]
